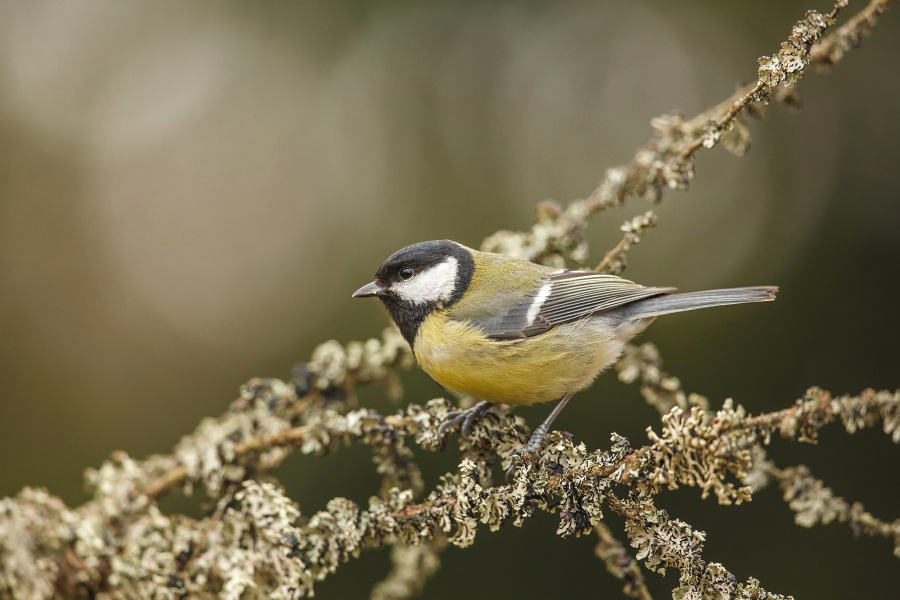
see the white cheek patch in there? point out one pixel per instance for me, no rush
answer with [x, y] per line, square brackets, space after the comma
[432, 285]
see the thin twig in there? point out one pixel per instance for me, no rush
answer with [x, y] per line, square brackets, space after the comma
[848, 36]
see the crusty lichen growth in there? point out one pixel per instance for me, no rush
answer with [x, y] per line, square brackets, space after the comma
[34, 533]
[695, 450]
[256, 542]
[814, 503]
[269, 412]
[667, 161]
[614, 262]
[345, 367]
[788, 65]
[848, 36]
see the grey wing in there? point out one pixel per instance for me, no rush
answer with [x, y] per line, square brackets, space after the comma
[563, 297]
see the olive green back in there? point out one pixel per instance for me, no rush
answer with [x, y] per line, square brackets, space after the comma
[499, 283]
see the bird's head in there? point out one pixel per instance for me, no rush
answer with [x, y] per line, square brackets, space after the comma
[419, 279]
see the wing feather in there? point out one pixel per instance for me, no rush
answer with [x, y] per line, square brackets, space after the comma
[564, 297]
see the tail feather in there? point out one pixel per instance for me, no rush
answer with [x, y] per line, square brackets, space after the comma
[663, 305]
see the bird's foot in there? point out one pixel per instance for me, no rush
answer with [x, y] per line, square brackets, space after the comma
[537, 438]
[530, 451]
[517, 458]
[466, 419]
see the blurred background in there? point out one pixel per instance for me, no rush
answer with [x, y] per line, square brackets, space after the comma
[190, 192]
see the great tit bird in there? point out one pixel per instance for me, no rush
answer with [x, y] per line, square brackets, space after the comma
[513, 332]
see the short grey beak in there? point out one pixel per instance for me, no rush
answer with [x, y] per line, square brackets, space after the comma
[370, 289]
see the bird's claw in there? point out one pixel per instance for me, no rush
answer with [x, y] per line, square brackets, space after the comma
[517, 458]
[530, 450]
[465, 418]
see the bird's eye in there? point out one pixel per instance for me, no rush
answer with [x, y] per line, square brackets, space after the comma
[406, 273]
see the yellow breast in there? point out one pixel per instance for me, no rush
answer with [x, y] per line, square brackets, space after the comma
[563, 360]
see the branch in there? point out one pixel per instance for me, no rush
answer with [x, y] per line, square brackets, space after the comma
[614, 261]
[666, 162]
[814, 503]
[260, 535]
[849, 36]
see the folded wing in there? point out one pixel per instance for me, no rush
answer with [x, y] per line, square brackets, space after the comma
[563, 297]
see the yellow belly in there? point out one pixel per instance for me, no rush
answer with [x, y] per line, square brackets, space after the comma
[546, 367]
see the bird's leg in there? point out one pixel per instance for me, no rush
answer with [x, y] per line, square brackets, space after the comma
[542, 432]
[540, 435]
[466, 417]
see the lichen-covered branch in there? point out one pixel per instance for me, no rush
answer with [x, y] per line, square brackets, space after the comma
[634, 229]
[257, 537]
[667, 161]
[814, 503]
[847, 37]
[330, 378]
[256, 542]
[697, 448]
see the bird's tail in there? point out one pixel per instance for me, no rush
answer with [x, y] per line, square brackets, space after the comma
[663, 305]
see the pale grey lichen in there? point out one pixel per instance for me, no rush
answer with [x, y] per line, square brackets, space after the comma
[634, 229]
[34, 532]
[667, 161]
[736, 137]
[257, 542]
[695, 449]
[557, 236]
[664, 543]
[814, 504]
[788, 65]
[850, 35]
[334, 365]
